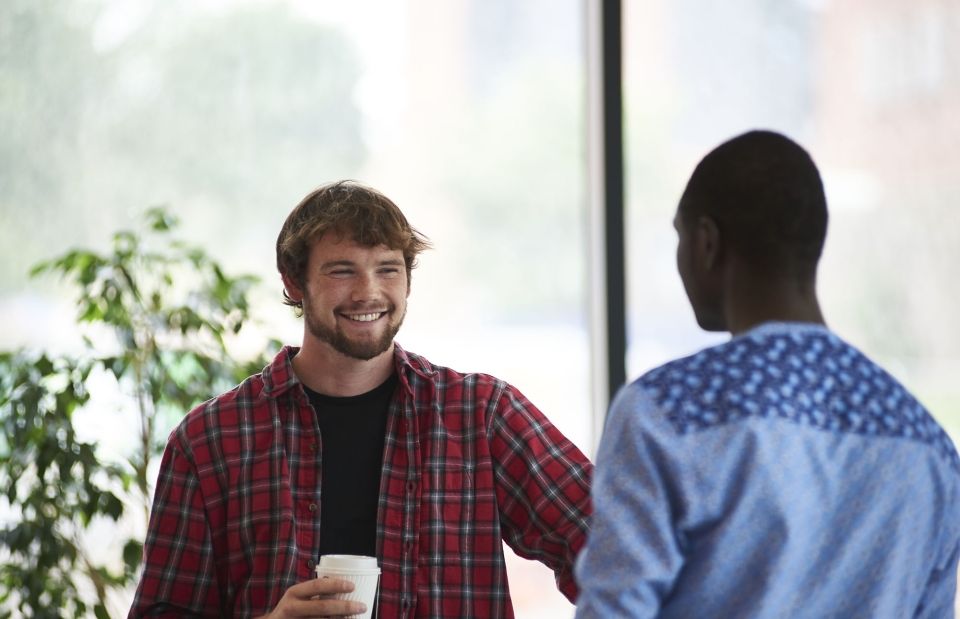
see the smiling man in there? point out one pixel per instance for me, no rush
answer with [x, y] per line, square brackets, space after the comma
[351, 445]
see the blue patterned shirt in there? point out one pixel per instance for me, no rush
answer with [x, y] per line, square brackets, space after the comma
[780, 474]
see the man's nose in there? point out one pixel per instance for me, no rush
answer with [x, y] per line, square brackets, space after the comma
[366, 288]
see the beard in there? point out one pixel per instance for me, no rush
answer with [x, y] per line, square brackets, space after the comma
[363, 350]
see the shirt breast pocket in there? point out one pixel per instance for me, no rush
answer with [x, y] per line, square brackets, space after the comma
[452, 505]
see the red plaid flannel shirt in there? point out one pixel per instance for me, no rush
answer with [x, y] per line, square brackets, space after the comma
[467, 462]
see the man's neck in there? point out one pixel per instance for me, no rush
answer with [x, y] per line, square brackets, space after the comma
[326, 371]
[751, 302]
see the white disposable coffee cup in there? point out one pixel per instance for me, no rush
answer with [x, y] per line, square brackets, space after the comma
[362, 571]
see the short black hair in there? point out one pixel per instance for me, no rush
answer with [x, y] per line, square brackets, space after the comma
[765, 194]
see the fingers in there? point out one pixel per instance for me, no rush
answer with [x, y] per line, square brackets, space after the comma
[314, 598]
[340, 608]
[327, 586]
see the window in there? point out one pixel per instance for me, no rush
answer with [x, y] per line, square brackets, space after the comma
[468, 114]
[869, 89]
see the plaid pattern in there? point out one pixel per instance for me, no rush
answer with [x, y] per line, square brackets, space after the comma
[468, 462]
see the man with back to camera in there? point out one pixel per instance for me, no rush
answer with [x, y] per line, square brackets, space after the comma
[352, 445]
[782, 473]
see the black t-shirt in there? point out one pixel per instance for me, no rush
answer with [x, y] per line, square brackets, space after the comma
[352, 432]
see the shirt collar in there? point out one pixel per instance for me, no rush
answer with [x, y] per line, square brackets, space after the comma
[774, 327]
[279, 377]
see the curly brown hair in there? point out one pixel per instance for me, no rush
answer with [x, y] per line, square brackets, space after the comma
[353, 211]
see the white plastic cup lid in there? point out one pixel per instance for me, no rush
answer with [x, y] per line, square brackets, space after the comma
[348, 562]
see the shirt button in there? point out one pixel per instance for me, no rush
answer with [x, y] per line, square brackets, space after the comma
[411, 487]
[311, 564]
[312, 507]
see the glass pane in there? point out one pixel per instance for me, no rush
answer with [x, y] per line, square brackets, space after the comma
[469, 114]
[871, 89]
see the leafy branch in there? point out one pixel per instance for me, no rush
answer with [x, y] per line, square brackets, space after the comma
[169, 311]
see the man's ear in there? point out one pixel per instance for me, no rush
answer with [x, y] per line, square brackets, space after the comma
[709, 245]
[293, 290]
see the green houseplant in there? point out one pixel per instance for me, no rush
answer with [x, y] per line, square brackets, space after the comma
[157, 317]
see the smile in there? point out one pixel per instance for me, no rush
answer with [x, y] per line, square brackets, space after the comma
[369, 317]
